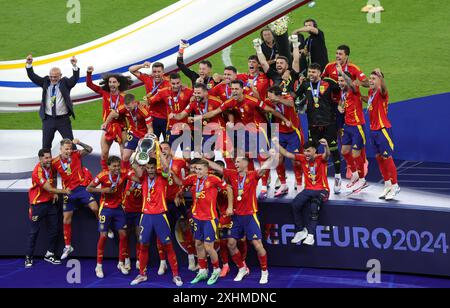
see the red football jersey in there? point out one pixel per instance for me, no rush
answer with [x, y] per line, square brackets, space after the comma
[133, 195]
[115, 199]
[222, 205]
[37, 194]
[201, 108]
[248, 205]
[288, 112]
[221, 91]
[154, 192]
[177, 165]
[71, 170]
[330, 71]
[137, 120]
[205, 195]
[176, 102]
[110, 102]
[354, 114]
[246, 110]
[260, 81]
[151, 88]
[378, 110]
[315, 172]
[87, 177]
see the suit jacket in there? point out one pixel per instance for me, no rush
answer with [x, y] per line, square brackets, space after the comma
[65, 85]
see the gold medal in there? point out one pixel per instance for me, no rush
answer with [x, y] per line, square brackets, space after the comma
[69, 171]
[316, 99]
[316, 105]
[239, 198]
[205, 123]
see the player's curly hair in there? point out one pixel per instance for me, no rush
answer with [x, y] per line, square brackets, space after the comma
[124, 81]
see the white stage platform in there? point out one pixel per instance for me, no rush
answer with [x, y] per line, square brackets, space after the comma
[21, 157]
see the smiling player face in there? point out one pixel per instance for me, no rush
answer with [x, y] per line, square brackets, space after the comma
[157, 73]
[46, 160]
[114, 168]
[113, 84]
[228, 76]
[241, 164]
[310, 153]
[204, 70]
[176, 84]
[236, 91]
[66, 151]
[374, 81]
[341, 57]
[200, 94]
[281, 66]
[253, 66]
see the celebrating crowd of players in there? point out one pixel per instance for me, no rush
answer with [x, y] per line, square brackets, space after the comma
[148, 199]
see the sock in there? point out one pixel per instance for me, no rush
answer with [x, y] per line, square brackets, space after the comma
[215, 264]
[161, 252]
[237, 259]
[203, 263]
[224, 251]
[138, 250]
[336, 161]
[101, 248]
[189, 240]
[172, 258]
[104, 164]
[123, 247]
[67, 234]
[242, 246]
[383, 171]
[298, 173]
[391, 170]
[143, 259]
[263, 262]
[281, 171]
[350, 161]
[359, 163]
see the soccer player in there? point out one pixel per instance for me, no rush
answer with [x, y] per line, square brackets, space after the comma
[223, 89]
[245, 107]
[154, 218]
[201, 104]
[204, 69]
[111, 214]
[153, 84]
[139, 123]
[177, 98]
[111, 89]
[380, 133]
[133, 210]
[354, 139]
[42, 196]
[205, 219]
[245, 221]
[179, 168]
[316, 190]
[69, 166]
[320, 109]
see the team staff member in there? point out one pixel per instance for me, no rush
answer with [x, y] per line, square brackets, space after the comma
[42, 197]
[316, 190]
[56, 105]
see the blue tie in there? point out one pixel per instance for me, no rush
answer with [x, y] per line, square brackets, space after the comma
[53, 101]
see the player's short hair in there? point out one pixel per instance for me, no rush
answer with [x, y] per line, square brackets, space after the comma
[375, 73]
[310, 144]
[113, 159]
[203, 162]
[152, 161]
[44, 151]
[174, 76]
[221, 163]
[158, 64]
[200, 86]
[275, 90]
[239, 82]
[315, 66]
[129, 98]
[65, 141]
[253, 57]
[244, 158]
[283, 58]
[230, 68]
[164, 142]
[311, 20]
[344, 48]
[194, 161]
[206, 62]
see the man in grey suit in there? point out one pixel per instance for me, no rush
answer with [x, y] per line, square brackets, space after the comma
[56, 105]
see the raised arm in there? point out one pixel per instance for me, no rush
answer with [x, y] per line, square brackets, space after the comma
[89, 82]
[327, 153]
[87, 149]
[134, 69]
[282, 150]
[383, 87]
[295, 53]
[72, 81]
[36, 79]
[347, 79]
[261, 57]
[215, 166]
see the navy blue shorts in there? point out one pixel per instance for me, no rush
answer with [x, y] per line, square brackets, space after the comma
[224, 233]
[78, 196]
[159, 127]
[382, 141]
[111, 219]
[354, 136]
[154, 223]
[184, 144]
[133, 219]
[132, 142]
[291, 142]
[205, 230]
[246, 225]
